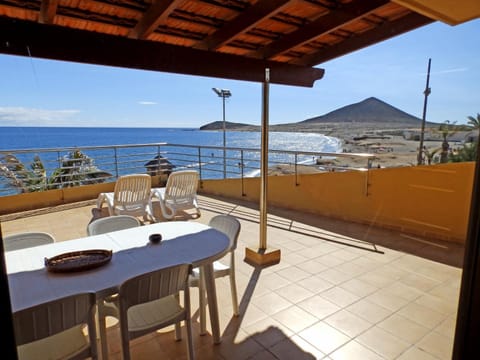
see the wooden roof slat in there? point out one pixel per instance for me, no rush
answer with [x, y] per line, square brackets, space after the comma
[335, 19]
[155, 16]
[247, 20]
[26, 38]
[238, 36]
[48, 9]
[375, 35]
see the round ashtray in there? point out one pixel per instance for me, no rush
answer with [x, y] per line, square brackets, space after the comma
[155, 238]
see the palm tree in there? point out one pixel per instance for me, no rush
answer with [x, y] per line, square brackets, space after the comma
[474, 122]
[446, 130]
[76, 169]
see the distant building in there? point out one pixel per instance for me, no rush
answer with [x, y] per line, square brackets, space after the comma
[159, 166]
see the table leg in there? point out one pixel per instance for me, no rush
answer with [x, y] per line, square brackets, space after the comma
[212, 302]
[203, 304]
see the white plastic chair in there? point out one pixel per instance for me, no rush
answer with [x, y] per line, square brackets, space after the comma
[27, 239]
[149, 302]
[180, 193]
[230, 226]
[55, 330]
[112, 223]
[131, 196]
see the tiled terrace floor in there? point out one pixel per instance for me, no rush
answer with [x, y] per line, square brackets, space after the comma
[341, 290]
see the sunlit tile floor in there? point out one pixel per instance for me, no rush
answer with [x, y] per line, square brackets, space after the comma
[341, 290]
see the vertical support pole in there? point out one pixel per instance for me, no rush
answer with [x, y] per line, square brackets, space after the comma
[264, 162]
[264, 255]
[224, 142]
[426, 93]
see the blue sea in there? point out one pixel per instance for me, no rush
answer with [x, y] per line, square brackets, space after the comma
[53, 137]
[38, 138]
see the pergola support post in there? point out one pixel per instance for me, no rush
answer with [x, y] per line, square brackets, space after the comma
[263, 255]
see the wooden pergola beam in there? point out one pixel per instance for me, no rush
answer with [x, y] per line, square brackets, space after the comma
[156, 15]
[244, 22]
[325, 24]
[48, 9]
[58, 43]
[382, 32]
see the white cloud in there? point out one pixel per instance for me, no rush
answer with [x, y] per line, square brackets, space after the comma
[450, 71]
[31, 116]
[147, 103]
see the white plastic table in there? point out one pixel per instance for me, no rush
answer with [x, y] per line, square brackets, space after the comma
[183, 242]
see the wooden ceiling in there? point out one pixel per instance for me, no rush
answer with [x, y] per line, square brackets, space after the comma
[232, 39]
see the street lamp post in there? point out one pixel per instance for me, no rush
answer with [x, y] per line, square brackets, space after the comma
[223, 93]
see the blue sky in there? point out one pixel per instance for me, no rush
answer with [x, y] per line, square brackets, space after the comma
[39, 92]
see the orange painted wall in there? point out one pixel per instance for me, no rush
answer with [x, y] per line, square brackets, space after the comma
[430, 201]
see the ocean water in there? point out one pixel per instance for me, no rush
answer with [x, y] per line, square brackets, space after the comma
[37, 138]
[52, 137]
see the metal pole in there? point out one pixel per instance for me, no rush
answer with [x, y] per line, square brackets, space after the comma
[264, 163]
[224, 142]
[426, 93]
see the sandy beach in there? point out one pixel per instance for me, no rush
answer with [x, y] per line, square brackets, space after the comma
[389, 151]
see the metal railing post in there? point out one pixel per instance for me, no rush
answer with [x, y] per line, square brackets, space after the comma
[296, 172]
[200, 162]
[116, 161]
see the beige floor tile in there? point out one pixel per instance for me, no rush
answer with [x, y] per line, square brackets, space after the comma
[350, 268]
[376, 278]
[294, 293]
[422, 315]
[437, 345]
[339, 296]
[268, 332]
[403, 328]
[293, 258]
[438, 304]
[348, 323]
[319, 307]
[271, 303]
[345, 254]
[354, 350]
[295, 318]
[448, 291]
[383, 343]
[272, 281]
[296, 348]
[399, 291]
[312, 266]
[324, 337]
[358, 287]
[415, 353]
[252, 314]
[369, 311]
[334, 276]
[447, 327]
[329, 260]
[419, 282]
[387, 300]
[403, 291]
[293, 273]
[315, 284]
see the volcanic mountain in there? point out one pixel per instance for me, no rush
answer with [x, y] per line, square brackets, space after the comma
[370, 113]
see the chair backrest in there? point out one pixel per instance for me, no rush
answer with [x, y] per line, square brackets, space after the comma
[154, 285]
[27, 239]
[132, 191]
[182, 186]
[112, 223]
[47, 321]
[229, 225]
